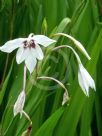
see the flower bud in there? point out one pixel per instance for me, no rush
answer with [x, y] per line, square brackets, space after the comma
[19, 104]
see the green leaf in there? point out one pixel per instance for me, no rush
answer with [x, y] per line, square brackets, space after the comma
[48, 127]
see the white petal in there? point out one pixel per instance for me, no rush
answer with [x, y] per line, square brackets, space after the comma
[30, 63]
[89, 79]
[37, 52]
[43, 40]
[30, 35]
[85, 80]
[83, 84]
[21, 55]
[18, 107]
[12, 45]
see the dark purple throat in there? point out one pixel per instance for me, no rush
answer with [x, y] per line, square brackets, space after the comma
[29, 44]
[32, 44]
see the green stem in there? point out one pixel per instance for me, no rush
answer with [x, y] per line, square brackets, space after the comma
[24, 79]
[27, 116]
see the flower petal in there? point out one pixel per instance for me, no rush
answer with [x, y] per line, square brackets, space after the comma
[89, 79]
[85, 80]
[12, 45]
[37, 52]
[21, 55]
[43, 40]
[30, 63]
[83, 84]
[18, 106]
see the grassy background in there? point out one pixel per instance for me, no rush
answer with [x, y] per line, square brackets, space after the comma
[43, 103]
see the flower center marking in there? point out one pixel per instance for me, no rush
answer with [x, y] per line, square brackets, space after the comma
[32, 44]
[29, 44]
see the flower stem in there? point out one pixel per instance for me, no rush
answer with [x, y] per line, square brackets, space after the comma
[66, 95]
[27, 116]
[29, 129]
[66, 46]
[24, 79]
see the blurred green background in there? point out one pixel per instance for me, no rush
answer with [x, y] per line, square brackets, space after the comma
[83, 115]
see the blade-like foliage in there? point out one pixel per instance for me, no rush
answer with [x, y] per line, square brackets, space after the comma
[82, 116]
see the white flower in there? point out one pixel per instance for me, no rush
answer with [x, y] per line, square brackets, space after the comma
[29, 49]
[19, 104]
[85, 80]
